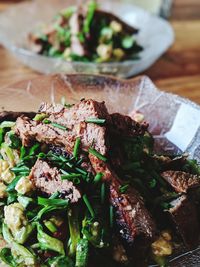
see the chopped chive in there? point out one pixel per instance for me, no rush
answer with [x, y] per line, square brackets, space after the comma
[152, 183]
[111, 216]
[123, 188]
[76, 147]
[52, 202]
[22, 152]
[98, 177]
[57, 125]
[70, 176]
[50, 226]
[103, 193]
[95, 120]
[97, 154]
[20, 169]
[81, 171]
[87, 203]
[54, 195]
[46, 121]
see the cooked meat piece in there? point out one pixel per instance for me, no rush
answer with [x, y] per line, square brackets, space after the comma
[48, 180]
[77, 113]
[91, 134]
[134, 223]
[181, 181]
[168, 163]
[76, 24]
[184, 215]
[126, 126]
[13, 115]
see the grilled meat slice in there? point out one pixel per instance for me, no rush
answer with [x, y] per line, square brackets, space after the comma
[125, 126]
[13, 115]
[91, 134]
[134, 223]
[184, 215]
[48, 180]
[182, 182]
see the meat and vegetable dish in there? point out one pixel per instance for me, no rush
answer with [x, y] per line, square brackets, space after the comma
[88, 34]
[81, 187]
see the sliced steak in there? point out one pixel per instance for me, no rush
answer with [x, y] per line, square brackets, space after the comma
[90, 134]
[75, 114]
[48, 180]
[181, 181]
[13, 115]
[184, 215]
[134, 223]
[125, 126]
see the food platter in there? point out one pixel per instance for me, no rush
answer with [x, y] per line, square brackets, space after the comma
[168, 115]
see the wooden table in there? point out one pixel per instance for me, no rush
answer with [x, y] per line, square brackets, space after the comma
[177, 71]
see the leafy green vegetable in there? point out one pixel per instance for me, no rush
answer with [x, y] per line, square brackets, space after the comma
[61, 261]
[92, 5]
[7, 124]
[82, 251]
[7, 257]
[48, 242]
[53, 202]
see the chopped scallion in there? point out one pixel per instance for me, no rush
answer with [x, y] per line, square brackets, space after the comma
[87, 203]
[98, 177]
[95, 120]
[76, 147]
[123, 188]
[97, 154]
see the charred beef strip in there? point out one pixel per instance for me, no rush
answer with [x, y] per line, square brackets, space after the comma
[13, 115]
[184, 215]
[134, 223]
[182, 182]
[90, 134]
[48, 180]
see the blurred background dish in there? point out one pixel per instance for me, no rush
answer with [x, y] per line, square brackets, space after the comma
[27, 16]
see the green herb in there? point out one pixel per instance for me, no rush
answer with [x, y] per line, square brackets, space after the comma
[90, 14]
[7, 257]
[1, 135]
[15, 141]
[40, 117]
[152, 183]
[7, 124]
[52, 202]
[50, 226]
[111, 216]
[97, 154]
[54, 195]
[87, 203]
[95, 120]
[76, 147]
[22, 152]
[12, 197]
[74, 229]
[103, 193]
[128, 42]
[48, 242]
[12, 185]
[123, 188]
[82, 253]
[45, 121]
[70, 176]
[98, 177]
[57, 125]
[20, 169]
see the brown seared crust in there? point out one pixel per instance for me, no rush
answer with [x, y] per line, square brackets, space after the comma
[12, 115]
[185, 218]
[134, 223]
[126, 126]
[90, 134]
[181, 181]
[48, 180]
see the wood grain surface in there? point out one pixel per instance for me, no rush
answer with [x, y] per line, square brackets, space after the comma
[177, 71]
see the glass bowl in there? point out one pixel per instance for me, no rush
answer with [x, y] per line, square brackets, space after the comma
[155, 35]
[173, 121]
